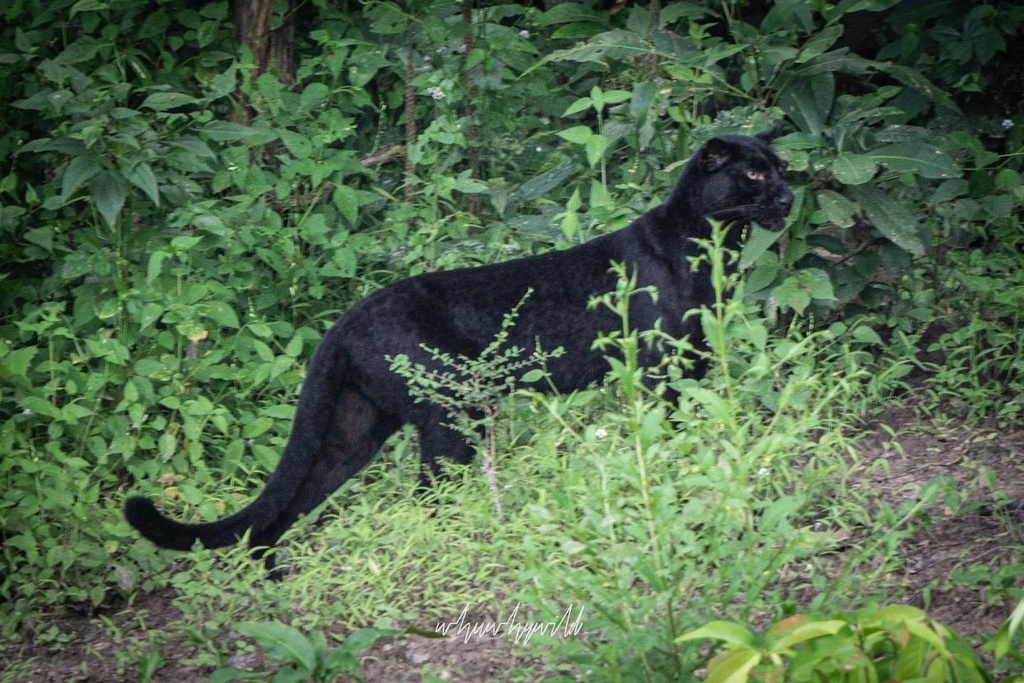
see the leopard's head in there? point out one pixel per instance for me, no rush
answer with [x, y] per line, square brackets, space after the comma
[742, 180]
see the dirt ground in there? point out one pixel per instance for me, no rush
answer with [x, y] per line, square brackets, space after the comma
[897, 460]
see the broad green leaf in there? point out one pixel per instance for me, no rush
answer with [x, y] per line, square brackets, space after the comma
[605, 47]
[853, 169]
[344, 198]
[17, 362]
[282, 642]
[836, 61]
[532, 376]
[725, 631]
[577, 134]
[805, 632]
[256, 427]
[615, 96]
[919, 158]
[849, 6]
[790, 295]
[155, 265]
[109, 191]
[87, 6]
[599, 196]
[222, 314]
[363, 638]
[568, 12]
[79, 171]
[193, 145]
[732, 667]
[595, 147]
[866, 335]
[758, 242]
[540, 185]
[837, 208]
[42, 237]
[787, 14]
[162, 101]
[821, 42]
[313, 94]
[579, 105]
[809, 101]
[296, 143]
[226, 131]
[893, 220]
[141, 176]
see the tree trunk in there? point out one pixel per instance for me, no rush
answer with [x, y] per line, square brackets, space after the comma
[271, 49]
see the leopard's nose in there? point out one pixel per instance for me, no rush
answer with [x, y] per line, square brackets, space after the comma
[785, 201]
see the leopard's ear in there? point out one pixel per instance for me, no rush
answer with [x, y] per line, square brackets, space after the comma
[768, 135]
[715, 154]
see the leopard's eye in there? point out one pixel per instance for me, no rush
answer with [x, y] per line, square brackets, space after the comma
[755, 174]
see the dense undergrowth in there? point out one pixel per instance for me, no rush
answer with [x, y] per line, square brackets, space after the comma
[167, 270]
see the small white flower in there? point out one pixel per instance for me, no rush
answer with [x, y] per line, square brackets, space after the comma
[436, 92]
[524, 34]
[763, 472]
[27, 411]
[600, 433]
[1007, 124]
[539, 148]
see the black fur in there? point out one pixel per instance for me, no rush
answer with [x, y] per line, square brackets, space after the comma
[352, 402]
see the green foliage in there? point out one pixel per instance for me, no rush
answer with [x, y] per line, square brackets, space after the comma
[303, 658]
[645, 520]
[165, 271]
[896, 642]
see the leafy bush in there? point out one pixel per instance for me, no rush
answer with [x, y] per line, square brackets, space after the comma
[166, 269]
[303, 658]
[876, 644]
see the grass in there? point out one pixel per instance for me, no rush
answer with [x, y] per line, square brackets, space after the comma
[742, 501]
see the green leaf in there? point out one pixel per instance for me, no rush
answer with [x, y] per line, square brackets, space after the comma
[87, 6]
[566, 12]
[890, 218]
[225, 131]
[615, 96]
[282, 642]
[809, 100]
[221, 313]
[595, 147]
[726, 631]
[758, 242]
[141, 176]
[313, 94]
[345, 199]
[162, 101]
[837, 208]
[155, 265]
[17, 362]
[256, 427]
[866, 335]
[805, 632]
[109, 191]
[79, 171]
[579, 105]
[299, 145]
[790, 294]
[853, 169]
[732, 667]
[193, 146]
[532, 376]
[577, 134]
[919, 158]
